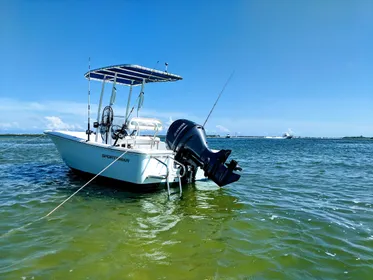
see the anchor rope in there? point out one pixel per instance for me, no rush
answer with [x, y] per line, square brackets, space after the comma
[67, 199]
[24, 142]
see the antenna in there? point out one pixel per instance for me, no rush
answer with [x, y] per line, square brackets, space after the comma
[166, 64]
[88, 132]
[213, 107]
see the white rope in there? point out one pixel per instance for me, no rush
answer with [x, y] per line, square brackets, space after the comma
[67, 199]
[63, 202]
[30, 140]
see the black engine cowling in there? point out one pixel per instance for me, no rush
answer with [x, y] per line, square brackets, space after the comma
[188, 140]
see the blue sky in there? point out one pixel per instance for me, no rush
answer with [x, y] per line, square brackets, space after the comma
[300, 65]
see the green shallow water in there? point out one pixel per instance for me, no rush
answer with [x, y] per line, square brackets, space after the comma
[302, 210]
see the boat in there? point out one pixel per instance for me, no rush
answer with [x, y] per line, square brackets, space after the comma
[286, 135]
[140, 157]
[228, 136]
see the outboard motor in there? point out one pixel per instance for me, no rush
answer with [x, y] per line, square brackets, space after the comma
[188, 140]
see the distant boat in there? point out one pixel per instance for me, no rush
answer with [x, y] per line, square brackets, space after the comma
[228, 136]
[286, 135]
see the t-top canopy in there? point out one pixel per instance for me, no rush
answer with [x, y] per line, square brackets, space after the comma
[128, 74]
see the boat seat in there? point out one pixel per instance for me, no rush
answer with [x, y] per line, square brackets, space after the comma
[130, 141]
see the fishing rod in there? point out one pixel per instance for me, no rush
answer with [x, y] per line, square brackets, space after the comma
[88, 132]
[213, 107]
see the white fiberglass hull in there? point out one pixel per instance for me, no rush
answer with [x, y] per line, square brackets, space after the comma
[136, 166]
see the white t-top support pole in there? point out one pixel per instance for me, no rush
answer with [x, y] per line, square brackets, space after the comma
[141, 97]
[128, 103]
[99, 105]
[113, 91]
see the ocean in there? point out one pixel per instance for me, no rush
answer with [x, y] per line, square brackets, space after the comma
[303, 209]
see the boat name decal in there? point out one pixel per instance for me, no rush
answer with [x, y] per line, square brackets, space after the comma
[115, 157]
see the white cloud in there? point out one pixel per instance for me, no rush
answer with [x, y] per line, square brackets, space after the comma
[9, 125]
[290, 131]
[165, 114]
[170, 121]
[167, 124]
[269, 126]
[38, 116]
[30, 116]
[62, 107]
[222, 128]
[54, 122]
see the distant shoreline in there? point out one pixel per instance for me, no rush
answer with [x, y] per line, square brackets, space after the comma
[22, 134]
[357, 138]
